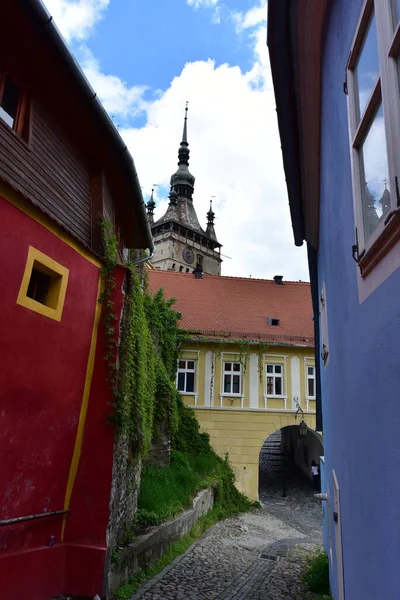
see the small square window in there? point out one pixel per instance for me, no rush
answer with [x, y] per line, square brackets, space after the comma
[190, 364]
[44, 285]
[228, 366]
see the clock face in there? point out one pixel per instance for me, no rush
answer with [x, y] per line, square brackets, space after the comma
[188, 255]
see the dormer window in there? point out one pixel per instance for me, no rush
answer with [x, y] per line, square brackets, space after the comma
[272, 321]
[13, 106]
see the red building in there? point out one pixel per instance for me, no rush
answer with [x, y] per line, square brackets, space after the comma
[63, 165]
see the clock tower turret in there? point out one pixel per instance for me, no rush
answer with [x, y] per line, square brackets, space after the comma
[181, 244]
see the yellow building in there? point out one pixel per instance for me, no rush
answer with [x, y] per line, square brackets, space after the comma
[248, 365]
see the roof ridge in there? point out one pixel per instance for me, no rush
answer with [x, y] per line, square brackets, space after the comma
[237, 277]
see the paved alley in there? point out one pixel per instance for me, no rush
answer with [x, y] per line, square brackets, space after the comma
[255, 556]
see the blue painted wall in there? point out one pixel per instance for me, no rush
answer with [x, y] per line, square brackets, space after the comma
[361, 384]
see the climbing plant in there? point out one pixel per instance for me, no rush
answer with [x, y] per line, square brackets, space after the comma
[142, 380]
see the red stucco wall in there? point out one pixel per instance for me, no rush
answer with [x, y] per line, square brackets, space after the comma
[42, 376]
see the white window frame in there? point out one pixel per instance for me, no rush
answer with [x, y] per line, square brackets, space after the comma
[308, 377]
[232, 373]
[369, 252]
[186, 370]
[274, 375]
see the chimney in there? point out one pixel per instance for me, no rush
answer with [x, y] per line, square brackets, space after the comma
[198, 272]
[278, 279]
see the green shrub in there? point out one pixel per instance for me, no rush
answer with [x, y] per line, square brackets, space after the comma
[316, 575]
[146, 518]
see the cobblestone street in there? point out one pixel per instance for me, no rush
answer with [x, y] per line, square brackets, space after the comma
[256, 556]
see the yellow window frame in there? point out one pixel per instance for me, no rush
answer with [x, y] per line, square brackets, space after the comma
[54, 306]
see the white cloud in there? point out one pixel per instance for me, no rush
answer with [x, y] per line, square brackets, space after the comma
[118, 98]
[252, 18]
[76, 18]
[198, 3]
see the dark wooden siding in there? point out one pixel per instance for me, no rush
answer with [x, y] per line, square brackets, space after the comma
[50, 173]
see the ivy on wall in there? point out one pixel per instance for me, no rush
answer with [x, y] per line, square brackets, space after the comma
[142, 380]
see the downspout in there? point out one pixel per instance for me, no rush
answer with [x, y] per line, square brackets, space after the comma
[313, 268]
[48, 23]
[146, 258]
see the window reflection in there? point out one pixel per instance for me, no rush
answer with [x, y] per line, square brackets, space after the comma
[367, 70]
[376, 197]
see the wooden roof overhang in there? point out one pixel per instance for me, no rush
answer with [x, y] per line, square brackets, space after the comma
[32, 47]
[295, 42]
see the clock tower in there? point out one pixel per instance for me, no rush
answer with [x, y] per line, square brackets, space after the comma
[181, 244]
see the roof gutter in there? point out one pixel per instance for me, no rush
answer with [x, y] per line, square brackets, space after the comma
[281, 51]
[47, 21]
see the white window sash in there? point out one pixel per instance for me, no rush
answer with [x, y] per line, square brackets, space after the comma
[185, 371]
[388, 83]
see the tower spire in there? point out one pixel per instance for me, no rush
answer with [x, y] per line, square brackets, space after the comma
[210, 231]
[183, 152]
[151, 206]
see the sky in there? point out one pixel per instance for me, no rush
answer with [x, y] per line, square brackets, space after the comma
[145, 59]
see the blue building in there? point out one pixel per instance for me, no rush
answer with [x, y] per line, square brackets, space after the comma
[335, 67]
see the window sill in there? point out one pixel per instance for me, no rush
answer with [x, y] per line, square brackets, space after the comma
[382, 245]
[311, 398]
[187, 393]
[223, 395]
[275, 396]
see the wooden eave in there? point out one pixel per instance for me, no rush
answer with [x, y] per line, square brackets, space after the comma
[46, 70]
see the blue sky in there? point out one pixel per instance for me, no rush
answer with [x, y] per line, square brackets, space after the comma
[145, 59]
[148, 43]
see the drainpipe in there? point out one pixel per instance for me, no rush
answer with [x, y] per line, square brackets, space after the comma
[146, 258]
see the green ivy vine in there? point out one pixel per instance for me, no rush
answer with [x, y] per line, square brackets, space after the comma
[142, 380]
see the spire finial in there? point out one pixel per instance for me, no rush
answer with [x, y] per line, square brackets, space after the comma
[184, 136]
[211, 213]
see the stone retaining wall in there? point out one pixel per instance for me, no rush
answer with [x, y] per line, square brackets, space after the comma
[148, 548]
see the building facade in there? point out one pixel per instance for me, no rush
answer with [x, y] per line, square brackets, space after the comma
[247, 366]
[63, 167]
[180, 242]
[336, 79]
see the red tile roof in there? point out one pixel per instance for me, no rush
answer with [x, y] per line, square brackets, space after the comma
[236, 307]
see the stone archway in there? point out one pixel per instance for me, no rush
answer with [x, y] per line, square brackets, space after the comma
[286, 456]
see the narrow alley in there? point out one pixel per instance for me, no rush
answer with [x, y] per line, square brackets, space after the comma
[255, 556]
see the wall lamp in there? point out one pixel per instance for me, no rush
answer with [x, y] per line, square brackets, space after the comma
[302, 425]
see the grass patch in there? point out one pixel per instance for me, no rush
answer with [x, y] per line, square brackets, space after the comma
[316, 575]
[167, 491]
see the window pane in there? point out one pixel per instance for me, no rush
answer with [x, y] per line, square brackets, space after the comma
[278, 386]
[181, 382]
[376, 193]
[190, 364]
[270, 369]
[278, 369]
[236, 366]
[311, 370]
[236, 384]
[270, 385]
[367, 69]
[182, 364]
[311, 384]
[9, 102]
[227, 384]
[228, 366]
[190, 382]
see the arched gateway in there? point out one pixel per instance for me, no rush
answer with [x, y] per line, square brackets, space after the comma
[242, 433]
